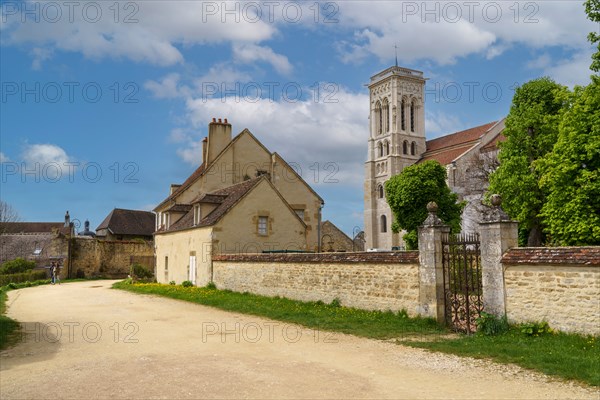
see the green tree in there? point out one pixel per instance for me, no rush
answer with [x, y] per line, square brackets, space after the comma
[409, 192]
[531, 131]
[572, 172]
[592, 9]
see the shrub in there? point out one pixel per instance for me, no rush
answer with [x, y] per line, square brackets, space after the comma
[536, 328]
[16, 266]
[22, 277]
[211, 285]
[141, 272]
[403, 313]
[172, 283]
[490, 325]
[335, 303]
[187, 284]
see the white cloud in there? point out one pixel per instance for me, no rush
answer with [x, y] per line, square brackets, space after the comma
[330, 137]
[432, 31]
[3, 158]
[571, 71]
[167, 88]
[439, 124]
[44, 154]
[49, 160]
[250, 53]
[148, 31]
[39, 56]
[542, 61]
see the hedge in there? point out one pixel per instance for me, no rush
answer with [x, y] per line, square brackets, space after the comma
[22, 277]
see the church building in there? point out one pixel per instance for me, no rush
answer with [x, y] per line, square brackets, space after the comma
[397, 140]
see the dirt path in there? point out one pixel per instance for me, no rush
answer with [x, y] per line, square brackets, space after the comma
[88, 341]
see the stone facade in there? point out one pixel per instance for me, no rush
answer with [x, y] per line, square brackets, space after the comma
[186, 254]
[396, 140]
[333, 239]
[373, 281]
[108, 259]
[557, 285]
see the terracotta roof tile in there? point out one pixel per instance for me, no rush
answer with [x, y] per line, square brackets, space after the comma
[493, 144]
[447, 148]
[553, 255]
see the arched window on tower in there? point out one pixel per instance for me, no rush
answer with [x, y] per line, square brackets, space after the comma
[383, 223]
[380, 149]
[413, 148]
[378, 118]
[412, 116]
[405, 147]
[386, 115]
[387, 148]
[380, 191]
[403, 115]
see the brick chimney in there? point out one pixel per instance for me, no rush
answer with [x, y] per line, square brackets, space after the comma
[219, 136]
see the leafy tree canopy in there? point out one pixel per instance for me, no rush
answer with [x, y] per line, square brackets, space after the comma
[592, 9]
[572, 172]
[531, 131]
[409, 192]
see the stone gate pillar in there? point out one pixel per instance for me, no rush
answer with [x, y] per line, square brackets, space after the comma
[431, 276]
[497, 234]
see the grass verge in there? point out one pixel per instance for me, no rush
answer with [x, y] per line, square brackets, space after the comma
[567, 356]
[317, 315]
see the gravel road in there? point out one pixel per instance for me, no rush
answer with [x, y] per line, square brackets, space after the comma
[85, 340]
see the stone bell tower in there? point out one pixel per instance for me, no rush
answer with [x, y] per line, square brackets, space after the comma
[396, 140]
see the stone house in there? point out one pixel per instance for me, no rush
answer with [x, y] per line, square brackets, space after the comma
[397, 140]
[242, 199]
[34, 241]
[121, 224]
[334, 239]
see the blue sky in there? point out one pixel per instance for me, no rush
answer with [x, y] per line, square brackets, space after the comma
[104, 104]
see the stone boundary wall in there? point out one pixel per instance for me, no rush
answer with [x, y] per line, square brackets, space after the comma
[372, 281]
[559, 285]
[102, 258]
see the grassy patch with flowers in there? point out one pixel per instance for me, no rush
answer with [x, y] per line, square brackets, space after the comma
[318, 315]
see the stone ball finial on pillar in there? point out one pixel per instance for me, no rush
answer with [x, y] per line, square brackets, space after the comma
[432, 219]
[432, 207]
[495, 213]
[496, 200]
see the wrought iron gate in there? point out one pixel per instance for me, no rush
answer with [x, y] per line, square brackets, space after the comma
[461, 259]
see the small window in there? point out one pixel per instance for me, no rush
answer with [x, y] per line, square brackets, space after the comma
[380, 191]
[300, 214]
[387, 148]
[380, 149]
[405, 147]
[383, 221]
[166, 263]
[197, 215]
[413, 148]
[263, 223]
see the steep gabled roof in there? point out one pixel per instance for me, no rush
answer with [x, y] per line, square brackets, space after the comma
[198, 173]
[333, 227]
[231, 196]
[448, 148]
[129, 222]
